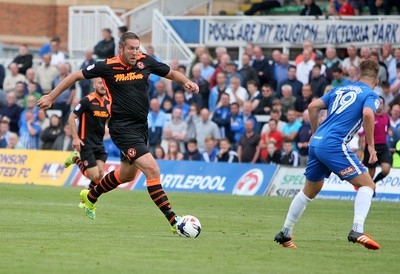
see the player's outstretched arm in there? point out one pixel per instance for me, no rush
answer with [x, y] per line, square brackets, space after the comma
[46, 101]
[178, 77]
[369, 122]
[313, 110]
[76, 141]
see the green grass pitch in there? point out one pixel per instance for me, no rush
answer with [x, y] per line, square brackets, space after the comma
[42, 230]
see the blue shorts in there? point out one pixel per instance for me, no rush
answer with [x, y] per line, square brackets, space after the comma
[342, 162]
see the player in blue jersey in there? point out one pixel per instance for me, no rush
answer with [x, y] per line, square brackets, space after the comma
[348, 107]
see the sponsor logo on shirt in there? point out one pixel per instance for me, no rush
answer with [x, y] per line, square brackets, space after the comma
[102, 114]
[131, 76]
[90, 67]
[347, 171]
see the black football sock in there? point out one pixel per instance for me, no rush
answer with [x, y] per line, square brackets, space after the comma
[379, 177]
[93, 184]
[81, 166]
[159, 197]
[108, 183]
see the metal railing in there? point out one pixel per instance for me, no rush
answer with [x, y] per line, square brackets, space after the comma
[140, 19]
[167, 44]
[177, 7]
[85, 24]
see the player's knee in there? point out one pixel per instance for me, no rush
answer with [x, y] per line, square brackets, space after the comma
[368, 183]
[127, 177]
[386, 171]
[152, 172]
[100, 175]
[373, 187]
[94, 175]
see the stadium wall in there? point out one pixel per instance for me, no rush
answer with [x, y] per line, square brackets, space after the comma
[33, 24]
[36, 22]
[47, 168]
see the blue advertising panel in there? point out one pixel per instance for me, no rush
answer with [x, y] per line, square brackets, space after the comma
[224, 178]
[188, 29]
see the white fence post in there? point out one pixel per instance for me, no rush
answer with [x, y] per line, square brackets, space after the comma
[85, 25]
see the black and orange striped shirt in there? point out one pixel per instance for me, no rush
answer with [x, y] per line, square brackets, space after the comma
[93, 112]
[127, 87]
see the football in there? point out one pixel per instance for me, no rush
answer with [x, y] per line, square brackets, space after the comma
[189, 227]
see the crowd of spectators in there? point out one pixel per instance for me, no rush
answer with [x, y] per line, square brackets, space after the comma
[255, 112]
[234, 101]
[335, 7]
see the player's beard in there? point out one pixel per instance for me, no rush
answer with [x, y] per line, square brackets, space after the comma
[131, 61]
[101, 94]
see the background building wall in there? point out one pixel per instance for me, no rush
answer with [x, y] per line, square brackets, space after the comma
[34, 24]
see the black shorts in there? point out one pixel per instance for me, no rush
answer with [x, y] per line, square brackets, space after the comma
[383, 154]
[89, 155]
[131, 141]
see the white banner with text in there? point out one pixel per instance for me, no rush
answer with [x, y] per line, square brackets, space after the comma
[345, 32]
[289, 181]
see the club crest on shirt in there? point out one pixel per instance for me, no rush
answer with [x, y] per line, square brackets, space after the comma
[377, 103]
[90, 67]
[131, 153]
[86, 163]
[140, 65]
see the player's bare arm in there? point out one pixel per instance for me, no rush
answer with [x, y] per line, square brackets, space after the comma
[71, 96]
[313, 110]
[46, 101]
[76, 141]
[178, 77]
[369, 121]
